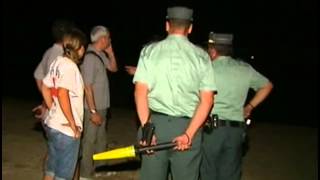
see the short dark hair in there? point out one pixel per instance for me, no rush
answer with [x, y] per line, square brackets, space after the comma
[223, 49]
[60, 27]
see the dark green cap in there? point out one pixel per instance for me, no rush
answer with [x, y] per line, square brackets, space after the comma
[218, 38]
[179, 12]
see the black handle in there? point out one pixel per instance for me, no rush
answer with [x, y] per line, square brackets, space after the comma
[161, 146]
[147, 133]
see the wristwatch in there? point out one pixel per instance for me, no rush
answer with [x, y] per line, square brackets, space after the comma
[93, 111]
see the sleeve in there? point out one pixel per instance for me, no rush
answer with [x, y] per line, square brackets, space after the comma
[142, 73]
[66, 77]
[257, 80]
[207, 82]
[88, 69]
[40, 71]
[47, 80]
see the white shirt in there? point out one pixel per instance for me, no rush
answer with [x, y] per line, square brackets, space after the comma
[64, 73]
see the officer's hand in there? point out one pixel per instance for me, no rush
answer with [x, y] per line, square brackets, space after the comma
[247, 111]
[96, 119]
[153, 142]
[183, 142]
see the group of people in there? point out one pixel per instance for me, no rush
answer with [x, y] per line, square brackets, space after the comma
[178, 88]
[72, 78]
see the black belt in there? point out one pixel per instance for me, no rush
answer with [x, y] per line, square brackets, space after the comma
[163, 114]
[229, 123]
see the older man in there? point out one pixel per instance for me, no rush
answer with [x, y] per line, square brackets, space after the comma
[98, 59]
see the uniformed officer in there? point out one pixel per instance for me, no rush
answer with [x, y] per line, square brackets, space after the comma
[174, 87]
[222, 147]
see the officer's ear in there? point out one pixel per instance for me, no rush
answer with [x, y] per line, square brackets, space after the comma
[190, 29]
[167, 26]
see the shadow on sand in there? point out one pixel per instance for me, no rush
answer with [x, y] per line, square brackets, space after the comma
[131, 165]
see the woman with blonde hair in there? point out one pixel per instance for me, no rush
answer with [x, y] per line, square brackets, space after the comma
[63, 94]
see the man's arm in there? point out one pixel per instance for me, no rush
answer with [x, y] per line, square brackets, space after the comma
[141, 99]
[42, 68]
[39, 84]
[39, 74]
[258, 98]
[89, 96]
[201, 113]
[64, 101]
[112, 65]
[131, 70]
[184, 141]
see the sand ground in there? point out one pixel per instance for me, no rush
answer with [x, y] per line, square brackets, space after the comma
[277, 151]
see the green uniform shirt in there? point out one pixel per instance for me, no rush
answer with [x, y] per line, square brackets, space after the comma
[175, 71]
[234, 78]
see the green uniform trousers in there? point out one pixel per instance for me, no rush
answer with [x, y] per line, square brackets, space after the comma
[183, 165]
[222, 154]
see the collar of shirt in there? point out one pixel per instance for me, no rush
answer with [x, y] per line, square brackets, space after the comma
[220, 58]
[177, 36]
[58, 46]
[92, 48]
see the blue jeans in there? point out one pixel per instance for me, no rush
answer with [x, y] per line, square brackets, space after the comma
[62, 154]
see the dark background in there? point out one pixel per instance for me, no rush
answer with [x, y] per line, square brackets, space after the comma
[281, 35]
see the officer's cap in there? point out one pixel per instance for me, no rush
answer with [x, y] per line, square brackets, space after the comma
[179, 12]
[216, 38]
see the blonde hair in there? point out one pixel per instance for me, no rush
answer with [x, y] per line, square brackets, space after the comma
[72, 42]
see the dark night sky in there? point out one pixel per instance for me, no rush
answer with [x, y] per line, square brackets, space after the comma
[281, 35]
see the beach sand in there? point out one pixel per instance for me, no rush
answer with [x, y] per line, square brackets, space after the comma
[277, 151]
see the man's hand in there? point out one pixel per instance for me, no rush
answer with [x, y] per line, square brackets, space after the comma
[247, 110]
[131, 70]
[153, 142]
[96, 119]
[112, 65]
[183, 142]
[109, 50]
[40, 112]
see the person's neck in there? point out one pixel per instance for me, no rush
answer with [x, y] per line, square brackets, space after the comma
[97, 47]
[59, 43]
[181, 32]
[215, 57]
